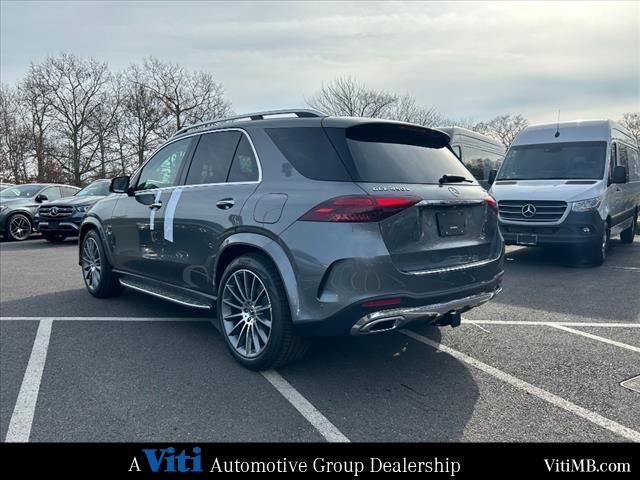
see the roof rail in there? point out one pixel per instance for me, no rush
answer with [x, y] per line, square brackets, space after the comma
[299, 112]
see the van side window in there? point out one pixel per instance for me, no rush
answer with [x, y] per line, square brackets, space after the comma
[612, 160]
[634, 165]
[213, 157]
[623, 156]
[479, 162]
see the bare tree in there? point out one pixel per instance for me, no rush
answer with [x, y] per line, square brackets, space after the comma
[143, 114]
[36, 95]
[76, 87]
[405, 109]
[15, 141]
[504, 128]
[631, 121]
[188, 97]
[102, 124]
[346, 96]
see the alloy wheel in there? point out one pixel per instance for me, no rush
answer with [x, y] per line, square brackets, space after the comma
[246, 313]
[20, 227]
[91, 266]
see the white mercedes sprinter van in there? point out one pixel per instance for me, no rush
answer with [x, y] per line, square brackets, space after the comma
[573, 183]
[479, 153]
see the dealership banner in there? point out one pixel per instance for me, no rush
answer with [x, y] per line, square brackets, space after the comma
[466, 460]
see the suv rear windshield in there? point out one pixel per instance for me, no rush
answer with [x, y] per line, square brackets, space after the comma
[396, 153]
[557, 161]
[370, 152]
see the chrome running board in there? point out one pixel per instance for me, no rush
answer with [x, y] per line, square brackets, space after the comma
[164, 294]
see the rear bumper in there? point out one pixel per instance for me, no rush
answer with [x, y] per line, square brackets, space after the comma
[358, 320]
[393, 319]
[579, 228]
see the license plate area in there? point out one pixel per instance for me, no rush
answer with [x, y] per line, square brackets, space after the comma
[526, 239]
[53, 225]
[451, 224]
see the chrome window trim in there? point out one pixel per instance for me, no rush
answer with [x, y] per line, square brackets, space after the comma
[173, 140]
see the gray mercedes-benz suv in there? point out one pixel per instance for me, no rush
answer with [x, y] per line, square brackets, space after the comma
[290, 227]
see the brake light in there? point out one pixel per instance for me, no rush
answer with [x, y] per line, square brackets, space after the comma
[358, 208]
[489, 200]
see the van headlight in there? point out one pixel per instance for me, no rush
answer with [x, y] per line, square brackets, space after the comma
[586, 205]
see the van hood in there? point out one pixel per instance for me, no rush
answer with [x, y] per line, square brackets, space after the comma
[546, 190]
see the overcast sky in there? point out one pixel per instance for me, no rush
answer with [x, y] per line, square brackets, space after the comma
[472, 60]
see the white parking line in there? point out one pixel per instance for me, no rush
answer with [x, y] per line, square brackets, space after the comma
[22, 418]
[549, 397]
[327, 429]
[596, 337]
[564, 324]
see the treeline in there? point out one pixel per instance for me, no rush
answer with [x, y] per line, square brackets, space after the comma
[72, 120]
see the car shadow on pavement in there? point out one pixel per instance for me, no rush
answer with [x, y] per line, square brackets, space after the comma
[387, 387]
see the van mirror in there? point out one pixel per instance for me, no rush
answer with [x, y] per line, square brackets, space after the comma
[492, 176]
[619, 174]
[120, 184]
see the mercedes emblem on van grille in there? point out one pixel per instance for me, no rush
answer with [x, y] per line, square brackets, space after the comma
[528, 210]
[454, 191]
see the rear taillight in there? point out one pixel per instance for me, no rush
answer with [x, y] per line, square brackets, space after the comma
[489, 200]
[358, 208]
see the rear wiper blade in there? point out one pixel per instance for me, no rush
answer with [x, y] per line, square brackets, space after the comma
[453, 179]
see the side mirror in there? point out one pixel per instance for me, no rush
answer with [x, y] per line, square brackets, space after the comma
[41, 198]
[120, 184]
[492, 176]
[619, 174]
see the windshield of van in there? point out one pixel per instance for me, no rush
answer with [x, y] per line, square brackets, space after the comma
[557, 161]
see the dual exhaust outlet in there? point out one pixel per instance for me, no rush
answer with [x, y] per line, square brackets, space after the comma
[445, 313]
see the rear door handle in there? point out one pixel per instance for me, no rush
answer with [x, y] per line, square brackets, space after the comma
[155, 206]
[226, 203]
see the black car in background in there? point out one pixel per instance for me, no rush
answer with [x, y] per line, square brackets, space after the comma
[18, 206]
[60, 219]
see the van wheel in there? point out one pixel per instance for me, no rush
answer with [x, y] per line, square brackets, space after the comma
[627, 236]
[254, 317]
[598, 251]
[96, 269]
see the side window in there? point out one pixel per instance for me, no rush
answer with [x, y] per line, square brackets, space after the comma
[634, 165]
[163, 169]
[68, 191]
[623, 157]
[213, 157]
[244, 167]
[612, 159]
[52, 193]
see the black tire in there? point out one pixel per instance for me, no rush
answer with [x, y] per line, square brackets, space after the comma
[107, 284]
[597, 252]
[18, 234]
[54, 237]
[283, 345]
[627, 236]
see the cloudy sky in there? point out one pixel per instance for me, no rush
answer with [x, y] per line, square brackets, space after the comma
[470, 60]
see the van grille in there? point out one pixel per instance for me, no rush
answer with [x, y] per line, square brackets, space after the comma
[58, 211]
[531, 210]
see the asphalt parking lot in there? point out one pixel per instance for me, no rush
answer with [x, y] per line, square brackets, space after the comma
[543, 362]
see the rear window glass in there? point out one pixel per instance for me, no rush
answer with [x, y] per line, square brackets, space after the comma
[310, 152]
[389, 153]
